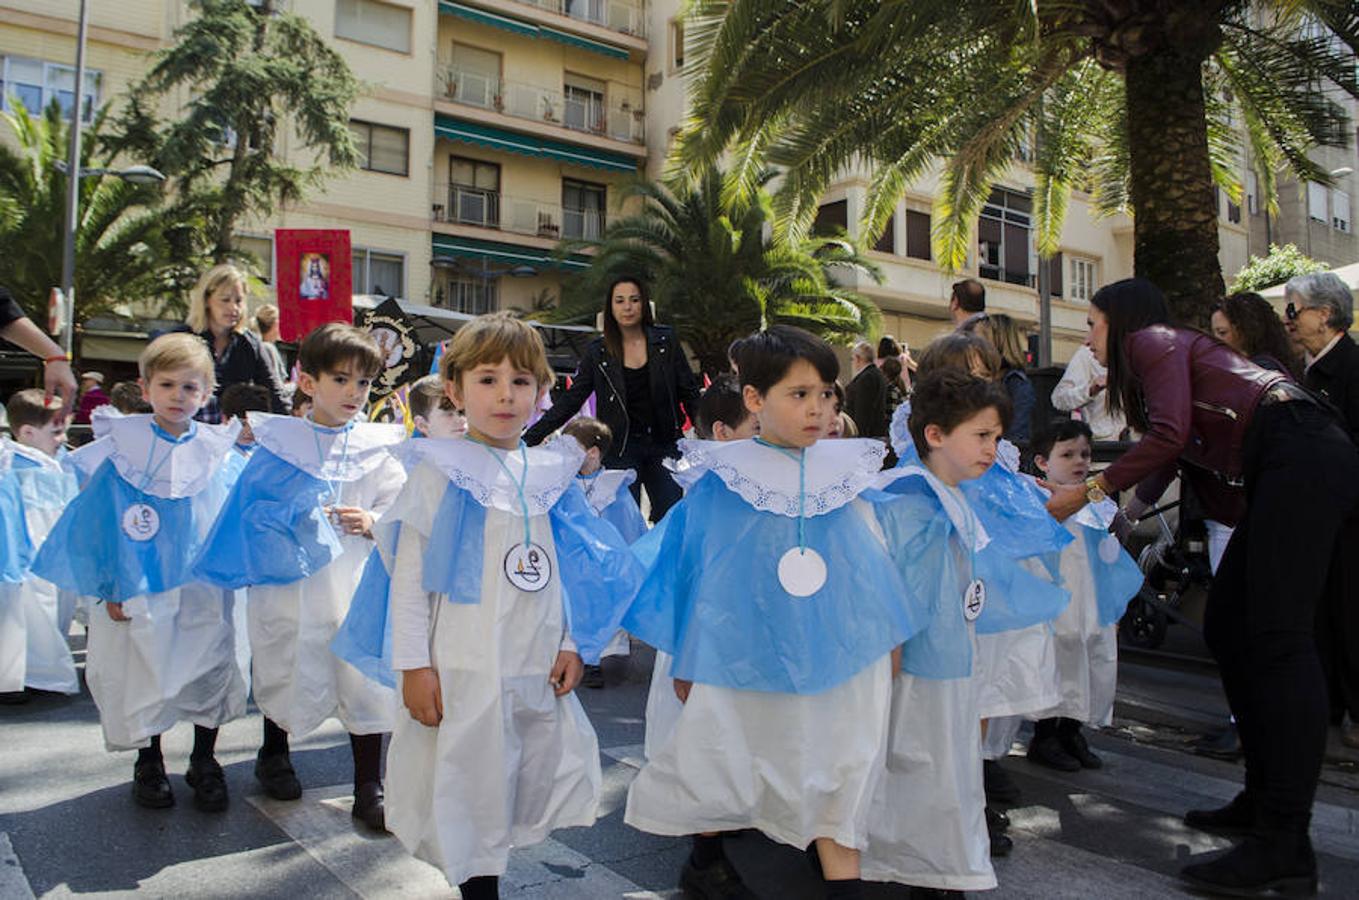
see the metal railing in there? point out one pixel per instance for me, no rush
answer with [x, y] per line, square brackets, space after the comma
[618, 113]
[615, 15]
[460, 205]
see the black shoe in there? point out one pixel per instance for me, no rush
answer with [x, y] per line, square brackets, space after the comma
[996, 821]
[1049, 752]
[275, 774]
[999, 786]
[593, 677]
[924, 893]
[369, 806]
[1224, 745]
[719, 881]
[1001, 845]
[208, 783]
[1237, 817]
[1261, 864]
[14, 698]
[150, 787]
[1075, 744]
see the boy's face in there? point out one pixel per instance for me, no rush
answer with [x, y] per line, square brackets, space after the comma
[749, 427]
[498, 399]
[967, 451]
[175, 396]
[796, 411]
[443, 421]
[47, 438]
[336, 396]
[594, 461]
[1069, 461]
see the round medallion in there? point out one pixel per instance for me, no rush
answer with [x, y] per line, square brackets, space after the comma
[141, 522]
[1108, 549]
[528, 568]
[802, 571]
[974, 600]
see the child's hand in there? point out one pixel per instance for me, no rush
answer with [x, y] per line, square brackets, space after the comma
[896, 662]
[353, 520]
[682, 689]
[422, 696]
[566, 672]
[116, 613]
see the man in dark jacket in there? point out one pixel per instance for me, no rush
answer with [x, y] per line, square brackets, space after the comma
[866, 394]
[1320, 312]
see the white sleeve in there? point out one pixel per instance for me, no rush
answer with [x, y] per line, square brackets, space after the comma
[393, 475]
[410, 604]
[1073, 391]
[567, 645]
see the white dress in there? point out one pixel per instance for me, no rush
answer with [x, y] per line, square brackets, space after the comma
[297, 681]
[510, 761]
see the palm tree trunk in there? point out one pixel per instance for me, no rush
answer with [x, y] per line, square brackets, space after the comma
[1175, 237]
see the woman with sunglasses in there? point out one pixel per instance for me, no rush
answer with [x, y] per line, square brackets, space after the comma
[1262, 454]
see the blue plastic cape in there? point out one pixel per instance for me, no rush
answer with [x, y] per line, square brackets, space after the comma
[625, 515]
[364, 639]
[44, 487]
[272, 529]
[1116, 583]
[16, 550]
[713, 601]
[88, 553]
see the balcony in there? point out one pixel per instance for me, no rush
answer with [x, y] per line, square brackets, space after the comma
[625, 18]
[460, 205]
[616, 114]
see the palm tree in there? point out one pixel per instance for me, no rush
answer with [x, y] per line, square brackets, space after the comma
[716, 274]
[1141, 101]
[123, 241]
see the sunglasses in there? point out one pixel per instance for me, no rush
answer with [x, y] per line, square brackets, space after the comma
[1292, 311]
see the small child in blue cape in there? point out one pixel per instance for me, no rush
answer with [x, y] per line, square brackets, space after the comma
[1102, 578]
[295, 533]
[162, 648]
[33, 649]
[772, 587]
[607, 491]
[502, 581]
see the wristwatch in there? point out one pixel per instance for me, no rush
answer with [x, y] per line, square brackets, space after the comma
[1093, 492]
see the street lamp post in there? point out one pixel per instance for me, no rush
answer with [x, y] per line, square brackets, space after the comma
[73, 184]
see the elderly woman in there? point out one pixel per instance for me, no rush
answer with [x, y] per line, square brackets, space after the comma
[1262, 454]
[1321, 311]
[217, 315]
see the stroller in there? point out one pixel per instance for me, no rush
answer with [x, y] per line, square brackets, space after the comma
[1171, 547]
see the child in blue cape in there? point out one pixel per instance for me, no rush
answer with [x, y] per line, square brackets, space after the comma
[1102, 578]
[502, 580]
[33, 649]
[433, 415]
[162, 648]
[295, 533]
[772, 587]
[928, 827]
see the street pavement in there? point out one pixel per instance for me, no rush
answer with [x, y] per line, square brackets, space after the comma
[68, 826]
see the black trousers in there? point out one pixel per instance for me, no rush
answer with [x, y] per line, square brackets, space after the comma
[1302, 483]
[1338, 626]
[647, 458]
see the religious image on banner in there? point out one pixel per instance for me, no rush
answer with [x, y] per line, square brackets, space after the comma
[395, 336]
[315, 269]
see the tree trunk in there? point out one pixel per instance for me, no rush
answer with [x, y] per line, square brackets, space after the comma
[1175, 237]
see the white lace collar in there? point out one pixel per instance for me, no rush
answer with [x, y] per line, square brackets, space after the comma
[32, 455]
[101, 417]
[155, 463]
[766, 477]
[964, 521]
[332, 454]
[477, 469]
[604, 486]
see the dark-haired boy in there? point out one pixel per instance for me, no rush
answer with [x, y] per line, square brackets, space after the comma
[295, 533]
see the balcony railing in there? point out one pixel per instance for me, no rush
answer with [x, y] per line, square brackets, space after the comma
[618, 113]
[615, 15]
[459, 205]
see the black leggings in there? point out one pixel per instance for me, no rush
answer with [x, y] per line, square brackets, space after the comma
[1302, 482]
[648, 461]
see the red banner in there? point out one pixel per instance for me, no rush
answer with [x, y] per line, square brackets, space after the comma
[314, 272]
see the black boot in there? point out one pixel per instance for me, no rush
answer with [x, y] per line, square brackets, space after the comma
[1237, 817]
[209, 784]
[1074, 743]
[370, 806]
[1000, 787]
[276, 775]
[1049, 752]
[482, 887]
[709, 875]
[150, 787]
[1264, 863]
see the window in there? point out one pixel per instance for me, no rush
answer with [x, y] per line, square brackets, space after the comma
[1316, 202]
[584, 100]
[1055, 287]
[1003, 237]
[1084, 278]
[470, 295]
[887, 241]
[918, 234]
[369, 22]
[474, 192]
[384, 149]
[262, 249]
[1233, 212]
[582, 210]
[588, 11]
[831, 219]
[676, 45]
[1340, 210]
[474, 77]
[1252, 194]
[36, 84]
[376, 272]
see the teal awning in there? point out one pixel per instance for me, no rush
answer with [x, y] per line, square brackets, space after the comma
[531, 145]
[506, 254]
[528, 29]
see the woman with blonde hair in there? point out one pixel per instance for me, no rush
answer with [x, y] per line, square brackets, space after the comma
[217, 315]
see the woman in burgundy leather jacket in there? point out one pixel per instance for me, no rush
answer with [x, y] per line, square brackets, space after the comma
[1263, 455]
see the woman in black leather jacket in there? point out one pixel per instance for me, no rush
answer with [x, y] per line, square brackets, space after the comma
[643, 389]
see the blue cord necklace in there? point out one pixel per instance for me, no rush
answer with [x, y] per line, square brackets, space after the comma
[321, 456]
[527, 566]
[802, 571]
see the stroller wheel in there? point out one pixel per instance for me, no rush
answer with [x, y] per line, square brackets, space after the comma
[1143, 625]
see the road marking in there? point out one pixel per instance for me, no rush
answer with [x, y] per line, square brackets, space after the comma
[13, 882]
